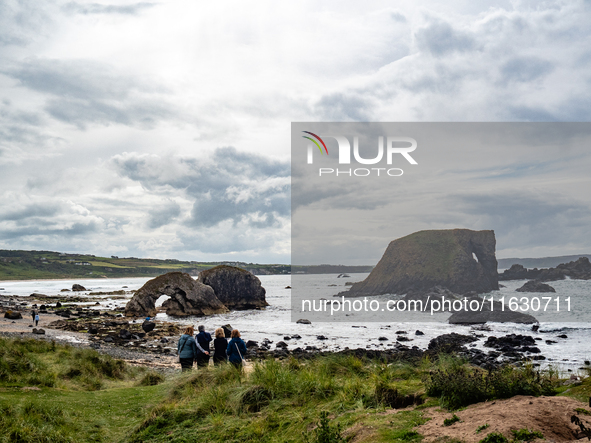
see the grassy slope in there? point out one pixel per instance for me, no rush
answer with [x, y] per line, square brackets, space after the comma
[27, 265]
[277, 402]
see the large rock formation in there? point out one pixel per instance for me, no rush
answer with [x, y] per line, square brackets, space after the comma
[187, 297]
[235, 287]
[426, 259]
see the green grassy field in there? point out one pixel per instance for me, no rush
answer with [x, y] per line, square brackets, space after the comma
[34, 265]
[55, 393]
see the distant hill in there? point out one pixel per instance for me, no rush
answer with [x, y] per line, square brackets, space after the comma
[33, 265]
[544, 262]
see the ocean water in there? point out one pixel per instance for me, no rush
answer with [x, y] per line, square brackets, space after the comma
[275, 321]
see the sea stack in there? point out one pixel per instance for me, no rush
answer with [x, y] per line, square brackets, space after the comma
[236, 288]
[460, 260]
[187, 297]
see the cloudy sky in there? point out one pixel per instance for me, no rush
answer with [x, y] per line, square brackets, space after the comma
[163, 129]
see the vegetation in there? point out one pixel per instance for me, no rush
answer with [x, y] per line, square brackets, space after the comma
[451, 421]
[458, 384]
[526, 435]
[51, 392]
[494, 437]
[481, 428]
[29, 265]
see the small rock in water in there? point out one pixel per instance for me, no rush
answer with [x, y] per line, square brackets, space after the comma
[287, 337]
[321, 337]
[383, 338]
[417, 332]
[281, 344]
[562, 336]
[77, 287]
[304, 321]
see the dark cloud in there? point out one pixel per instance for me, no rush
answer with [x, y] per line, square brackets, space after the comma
[84, 92]
[229, 185]
[163, 215]
[33, 210]
[440, 38]
[76, 229]
[525, 69]
[97, 8]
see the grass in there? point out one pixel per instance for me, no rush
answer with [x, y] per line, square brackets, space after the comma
[526, 435]
[80, 395]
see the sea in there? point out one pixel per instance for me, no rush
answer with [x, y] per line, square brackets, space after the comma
[275, 322]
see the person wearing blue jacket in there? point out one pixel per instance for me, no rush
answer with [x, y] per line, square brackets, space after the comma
[203, 339]
[236, 349]
[187, 349]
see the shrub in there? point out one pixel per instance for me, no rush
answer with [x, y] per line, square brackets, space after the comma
[482, 428]
[324, 432]
[526, 434]
[458, 384]
[152, 378]
[494, 437]
[451, 421]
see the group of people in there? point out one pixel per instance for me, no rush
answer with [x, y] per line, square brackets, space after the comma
[35, 317]
[196, 349]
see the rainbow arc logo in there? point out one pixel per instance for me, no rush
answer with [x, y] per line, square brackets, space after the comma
[315, 142]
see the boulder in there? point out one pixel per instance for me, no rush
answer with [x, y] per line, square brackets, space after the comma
[38, 331]
[535, 286]
[448, 343]
[187, 297]
[496, 315]
[304, 321]
[148, 326]
[78, 288]
[93, 330]
[236, 288]
[460, 260]
[125, 334]
[13, 315]
[227, 330]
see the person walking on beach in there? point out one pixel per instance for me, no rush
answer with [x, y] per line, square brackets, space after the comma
[187, 349]
[33, 314]
[236, 349]
[36, 319]
[220, 344]
[203, 339]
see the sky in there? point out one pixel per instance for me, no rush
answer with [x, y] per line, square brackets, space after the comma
[162, 129]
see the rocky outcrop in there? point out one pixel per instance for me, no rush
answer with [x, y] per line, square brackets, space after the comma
[535, 286]
[76, 287]
[187, 297]
[579, 269]
[460, 260]
[234, 287]
[518, 272]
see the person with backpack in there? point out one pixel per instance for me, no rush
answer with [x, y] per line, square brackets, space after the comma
[36, 319]
[187, 349]
[236, 349]
[220, 344]
[203, 339]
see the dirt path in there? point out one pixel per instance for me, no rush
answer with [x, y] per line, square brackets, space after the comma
[548, 415]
